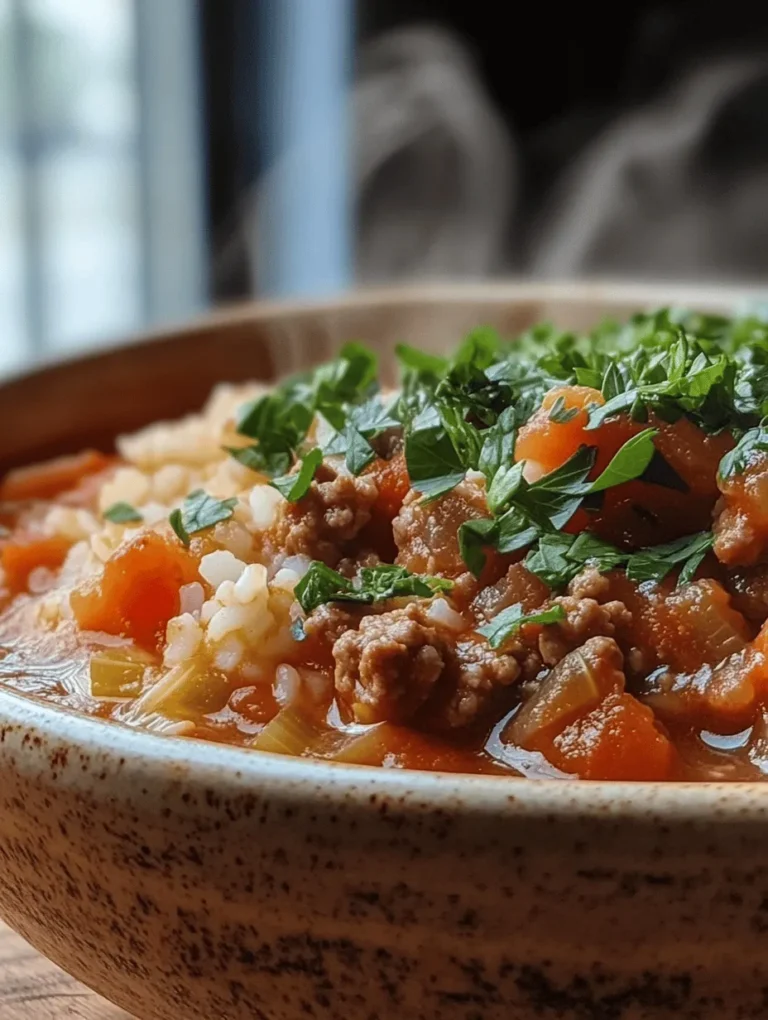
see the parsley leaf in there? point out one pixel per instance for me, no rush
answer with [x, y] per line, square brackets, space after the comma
[549, 561]
[558, 558]
[359, 452]
[321, 584]
[177, 523]
[280, 420]
[498, 446]
[421, 361]
[737, 460]
[506, 482]
[295, 485]
[629, 462]
[122, 513]
[655, 562]
[198, 512]
[433, 465]
[474, 535]
[560, 414]
[511, 619]
[265, 460]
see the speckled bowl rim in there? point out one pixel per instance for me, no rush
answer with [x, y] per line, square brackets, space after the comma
[141, 755]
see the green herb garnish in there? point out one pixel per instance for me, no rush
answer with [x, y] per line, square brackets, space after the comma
[560, 414]
[321, 584]
[655, 562]
[198, 512]
[629, 462]
[122, 513]
[263, 459]
[510, 620]
[737, 460]
[294, 486]
[556, 558]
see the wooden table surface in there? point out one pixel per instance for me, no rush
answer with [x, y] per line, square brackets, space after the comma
[31, 988]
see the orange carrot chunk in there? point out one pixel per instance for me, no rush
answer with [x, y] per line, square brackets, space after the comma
[617, 740]
[21, 556]
[138, 592]
[51, 478]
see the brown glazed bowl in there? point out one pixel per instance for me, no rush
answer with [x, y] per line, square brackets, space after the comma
[183, 879]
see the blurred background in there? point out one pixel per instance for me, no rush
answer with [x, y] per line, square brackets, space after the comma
[158, 157]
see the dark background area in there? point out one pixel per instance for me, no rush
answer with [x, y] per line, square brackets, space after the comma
[558, 76]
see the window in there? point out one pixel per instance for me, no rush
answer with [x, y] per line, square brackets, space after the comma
[100, 171]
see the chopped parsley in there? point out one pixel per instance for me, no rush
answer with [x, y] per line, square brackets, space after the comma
[460, 414]
[510, 620]
[752, 444]
[296, 485]
[198, 512]
[557, 558]
[321, 584]
[560, 414]
[122, 513]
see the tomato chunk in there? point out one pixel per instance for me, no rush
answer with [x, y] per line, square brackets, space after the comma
[138, 592]
[51, 478]
[617, 740]
[21, 556]
[391, 477]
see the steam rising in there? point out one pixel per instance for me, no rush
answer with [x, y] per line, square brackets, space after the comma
[436, 186]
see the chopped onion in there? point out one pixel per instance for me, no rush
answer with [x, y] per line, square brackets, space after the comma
[287, 684]
[444, 614]
[191, 599]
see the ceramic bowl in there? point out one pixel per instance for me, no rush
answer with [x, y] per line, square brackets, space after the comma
[182, 879]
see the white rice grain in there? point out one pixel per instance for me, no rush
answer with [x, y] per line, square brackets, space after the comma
[264, 502]
[220, 566]
[229, 653]
[183, 637]
[127, 485]
[251, 583]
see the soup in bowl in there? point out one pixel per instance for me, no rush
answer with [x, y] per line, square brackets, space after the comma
[520, 561]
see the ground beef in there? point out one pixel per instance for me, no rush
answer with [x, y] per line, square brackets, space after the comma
[589, 584]
[402, 665]
[427, 533]
[328, 622]
[737, 541]
[331, 515]
[478, 674]
[387, 669]
[585, 618]
[350, 566]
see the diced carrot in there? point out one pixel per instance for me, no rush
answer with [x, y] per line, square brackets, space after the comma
[391, 477]
[547, 444]
[617, 740]
[49, 479]
[23, 555]
[138, 592]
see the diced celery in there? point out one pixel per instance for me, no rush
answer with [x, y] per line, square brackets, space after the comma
[115, 674]
[292, 731]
